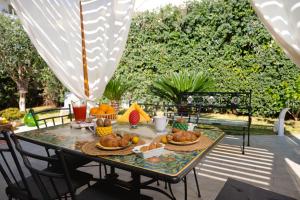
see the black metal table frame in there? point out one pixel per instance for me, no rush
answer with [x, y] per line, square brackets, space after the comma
[135, 185]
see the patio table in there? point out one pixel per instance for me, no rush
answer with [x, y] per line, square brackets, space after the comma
[171, 167]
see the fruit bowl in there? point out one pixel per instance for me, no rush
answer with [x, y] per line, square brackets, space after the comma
[106, 116]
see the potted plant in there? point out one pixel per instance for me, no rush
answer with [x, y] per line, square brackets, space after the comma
[172, 85]
[114, 91]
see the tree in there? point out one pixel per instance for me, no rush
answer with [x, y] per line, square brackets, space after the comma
[17, 56]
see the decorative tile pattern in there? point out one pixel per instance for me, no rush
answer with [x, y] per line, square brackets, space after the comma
[170, 163]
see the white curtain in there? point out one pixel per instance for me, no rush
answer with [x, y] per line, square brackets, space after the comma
[282, 19]
[54, 27]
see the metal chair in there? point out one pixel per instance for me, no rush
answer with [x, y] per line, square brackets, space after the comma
[53, 116]
[73, 161]
[48, 181]
[19, 187]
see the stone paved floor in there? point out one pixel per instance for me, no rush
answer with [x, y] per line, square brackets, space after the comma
[263, 165]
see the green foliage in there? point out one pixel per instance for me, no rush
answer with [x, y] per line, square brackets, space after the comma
[17, 54]
[116, 88]
[171, 86]
[22, 69]
[222, 37]
[292, 95]
[12, 114]
[53, 91]
[8, 94]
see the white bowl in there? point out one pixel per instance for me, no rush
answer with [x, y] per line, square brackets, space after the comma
[151, 153]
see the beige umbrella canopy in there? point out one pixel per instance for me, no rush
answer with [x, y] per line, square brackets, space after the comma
[282, 19]
[82, 41]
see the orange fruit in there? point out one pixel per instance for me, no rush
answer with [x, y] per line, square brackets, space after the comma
[110, 110]
[100, 112]
[93, 111]
[103, 107]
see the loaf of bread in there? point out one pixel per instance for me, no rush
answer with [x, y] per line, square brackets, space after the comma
[184, 136]
[112, 140]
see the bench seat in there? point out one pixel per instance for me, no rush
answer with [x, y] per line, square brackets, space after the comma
[214, 121]
[238, 123]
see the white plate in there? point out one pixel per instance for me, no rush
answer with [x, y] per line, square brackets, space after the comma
[81, 124]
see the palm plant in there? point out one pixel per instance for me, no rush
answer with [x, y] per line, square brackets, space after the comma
[172, 85]
[114, 91]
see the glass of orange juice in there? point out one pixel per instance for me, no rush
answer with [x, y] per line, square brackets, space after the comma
[79, 109]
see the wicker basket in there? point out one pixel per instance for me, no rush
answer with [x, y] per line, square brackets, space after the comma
[106, 116]
[102, 131]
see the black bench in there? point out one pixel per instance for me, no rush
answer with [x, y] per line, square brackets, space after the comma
[238, 103]
[236, 190]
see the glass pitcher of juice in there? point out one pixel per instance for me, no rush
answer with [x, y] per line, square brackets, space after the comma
[79, 109]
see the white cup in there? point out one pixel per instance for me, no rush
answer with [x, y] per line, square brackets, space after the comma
[161, 123]
[191, 126]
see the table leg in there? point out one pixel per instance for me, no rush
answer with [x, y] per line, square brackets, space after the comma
[197, 184]
[112, 176]
[136, 184]
[185, 187]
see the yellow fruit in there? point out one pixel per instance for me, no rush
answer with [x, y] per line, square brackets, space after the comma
[164, 139]
[101, 131]
[135, 139]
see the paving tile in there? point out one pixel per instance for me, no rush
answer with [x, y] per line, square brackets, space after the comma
[227, 161]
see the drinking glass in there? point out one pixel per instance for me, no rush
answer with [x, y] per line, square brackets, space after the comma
[79, 109]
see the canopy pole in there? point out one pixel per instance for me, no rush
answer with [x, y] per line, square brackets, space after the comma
[84, 61]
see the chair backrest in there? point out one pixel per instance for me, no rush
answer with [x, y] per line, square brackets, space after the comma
[10, 167]
[46, 179]
[219, 100]
[172, 111]
[54, 113]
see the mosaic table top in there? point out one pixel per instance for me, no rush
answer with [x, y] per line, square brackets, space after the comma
[170, 163]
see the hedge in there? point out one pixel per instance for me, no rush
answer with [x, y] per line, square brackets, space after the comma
[222, 37]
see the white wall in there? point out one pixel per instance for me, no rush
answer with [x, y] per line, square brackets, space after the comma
[4, 5]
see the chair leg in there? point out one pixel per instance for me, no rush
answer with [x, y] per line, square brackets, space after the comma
[244, 133]
[166, 186]
[157, 182]
[171, 191]
[100, 171]
[105, 170]
[197, 184]
[248, 136]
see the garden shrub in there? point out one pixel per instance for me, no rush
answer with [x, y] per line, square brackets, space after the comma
[222, 37]
[12, 114]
